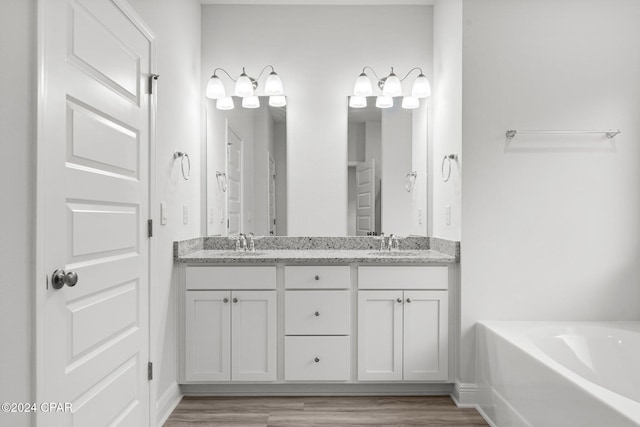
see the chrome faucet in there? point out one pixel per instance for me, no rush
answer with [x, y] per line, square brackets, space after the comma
[382, 241]
[392, 243]
[251, 242]
[241, 243]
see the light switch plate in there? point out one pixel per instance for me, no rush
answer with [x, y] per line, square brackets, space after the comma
[163, 213]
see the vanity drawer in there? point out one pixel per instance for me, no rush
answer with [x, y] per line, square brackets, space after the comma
[317, 313]
[317, 277]
[317, 359]
[207, 277]
[409, 277]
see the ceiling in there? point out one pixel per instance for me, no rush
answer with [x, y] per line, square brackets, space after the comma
[324, 2]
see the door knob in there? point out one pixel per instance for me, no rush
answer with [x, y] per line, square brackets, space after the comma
[225, 300]
[399, 299]
[235, 300]
[317, 277]
[59, 278]
[316, 360]
[409, 300]
[317, 313]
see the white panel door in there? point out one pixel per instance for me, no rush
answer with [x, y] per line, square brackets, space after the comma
[253, 336]
[272, 197]
[234, 183]
[380, 335]
[208, 336]
[425, 335]
[365, 198]
[93, 197]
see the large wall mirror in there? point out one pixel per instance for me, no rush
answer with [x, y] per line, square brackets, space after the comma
[387, 170]
[246, 170]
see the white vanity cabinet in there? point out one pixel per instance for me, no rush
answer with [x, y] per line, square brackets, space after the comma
[402, 324]
[230, 335]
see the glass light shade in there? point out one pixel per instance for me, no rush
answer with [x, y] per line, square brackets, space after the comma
[244, 87]
[421, 87]
[225, 103]
[410, 102]
[357, 101]
[384, 101]
[251, 102]
[392, 86]
[273, 85]
[362, 86]
[277, 101]
[215, 88]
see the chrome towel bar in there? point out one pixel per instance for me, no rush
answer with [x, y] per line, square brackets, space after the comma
[511, 133]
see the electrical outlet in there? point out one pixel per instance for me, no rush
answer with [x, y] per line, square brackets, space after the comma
[185, 214]
[447, 215]
[163, 213]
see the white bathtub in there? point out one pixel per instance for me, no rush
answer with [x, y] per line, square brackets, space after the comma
[559, 373]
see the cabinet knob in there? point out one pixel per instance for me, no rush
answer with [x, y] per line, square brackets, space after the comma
[226, 300]
[317, 313]
[399, 299]
[235, 300]
[409, 300]
[316, 360]
[317, 277]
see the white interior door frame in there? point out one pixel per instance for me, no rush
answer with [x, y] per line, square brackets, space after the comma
[41, 275]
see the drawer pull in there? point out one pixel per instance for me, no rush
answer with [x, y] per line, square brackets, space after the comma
[409, 300]
[316, 360]
[317, 313]
[226, 300]
[399, 300]
[235, 300]
[317, 277]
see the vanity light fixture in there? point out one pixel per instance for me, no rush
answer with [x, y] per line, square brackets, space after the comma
[391, 86]
[245, 87]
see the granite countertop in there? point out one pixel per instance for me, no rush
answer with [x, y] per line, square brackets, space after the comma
[317, 250]
[315, 256]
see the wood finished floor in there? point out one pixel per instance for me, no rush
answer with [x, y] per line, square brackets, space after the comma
[322, 411]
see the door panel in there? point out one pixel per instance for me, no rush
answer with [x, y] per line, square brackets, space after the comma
[380, 335]
[425, 335]
[253, 336]
[208, 337]
[94, 187]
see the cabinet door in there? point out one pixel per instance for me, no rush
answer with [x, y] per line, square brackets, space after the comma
[380, 335]
[208, 339]
[253, 336]
[425, 335]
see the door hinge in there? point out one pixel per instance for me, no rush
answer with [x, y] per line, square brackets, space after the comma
[152, 77]
[150, 228]
[150, 371]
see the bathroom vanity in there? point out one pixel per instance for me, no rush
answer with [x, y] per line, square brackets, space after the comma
[292, 319]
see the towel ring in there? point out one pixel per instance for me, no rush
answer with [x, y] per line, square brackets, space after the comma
[411, 181]
[447, 159]
[222, 183]
[186, 175]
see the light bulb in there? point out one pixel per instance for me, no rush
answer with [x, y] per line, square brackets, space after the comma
[421, 87]
[357, 101]
[215, 88]
[392, 86]
[409, 102]
[244, 86]
[362, 86]
[277, 101]
[225, 103]
[273, 85]
[251, 102]
[384, 101]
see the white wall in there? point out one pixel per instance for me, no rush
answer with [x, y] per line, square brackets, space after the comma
[318, 51]
[17, 216]
[447, 115]
[177, 27]
[550, 224]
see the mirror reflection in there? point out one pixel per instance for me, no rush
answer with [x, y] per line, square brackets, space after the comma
[246, 170]
[387, 170]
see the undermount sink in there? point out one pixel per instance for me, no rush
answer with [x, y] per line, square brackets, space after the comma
[395, 253]
[241, 253]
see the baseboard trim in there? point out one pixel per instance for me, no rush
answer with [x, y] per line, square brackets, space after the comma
[167, 403]
[465, 395]
[316, 389]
